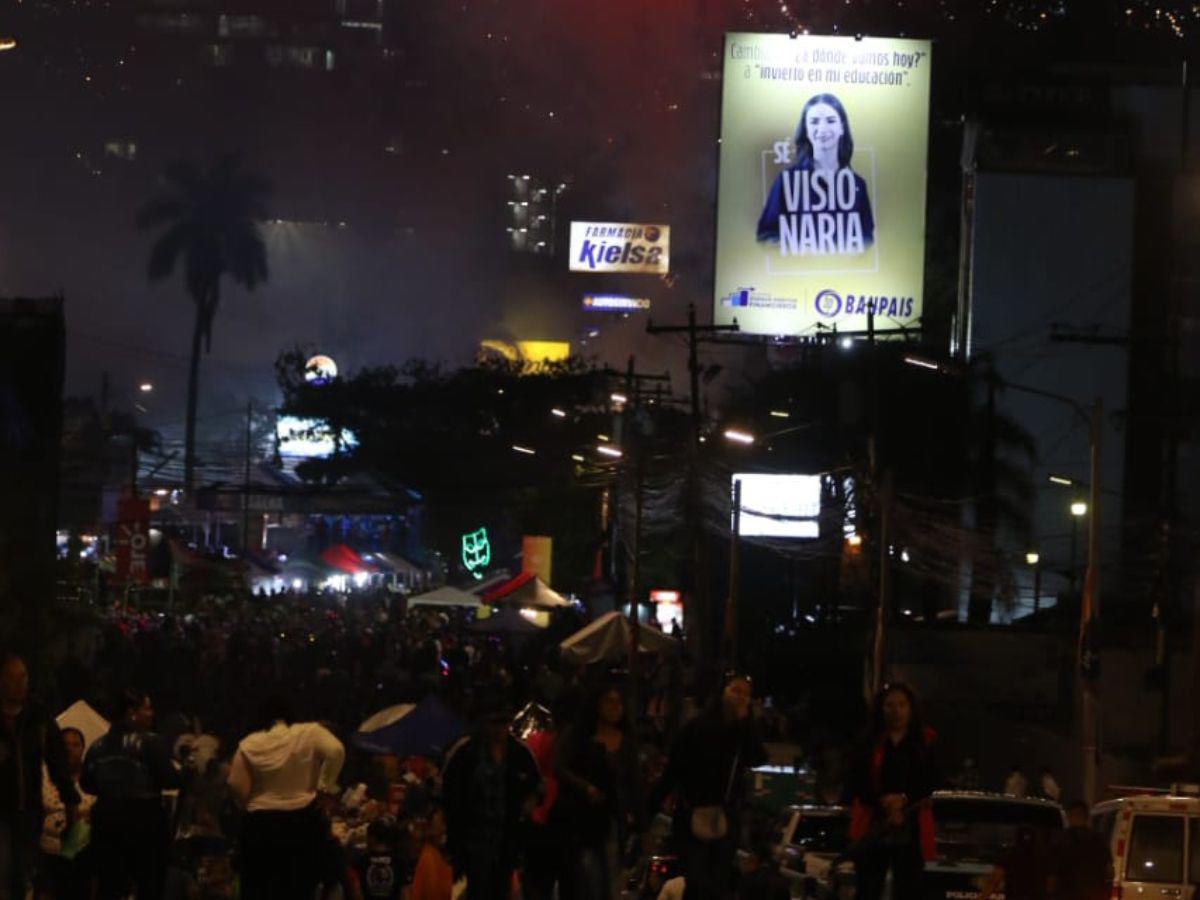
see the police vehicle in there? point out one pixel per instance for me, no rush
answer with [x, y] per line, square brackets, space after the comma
[975, 831]
[1154, 838]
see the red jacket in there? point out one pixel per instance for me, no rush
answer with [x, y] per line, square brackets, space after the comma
[862, 816]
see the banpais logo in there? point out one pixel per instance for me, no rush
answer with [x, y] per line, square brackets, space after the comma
[830, 304]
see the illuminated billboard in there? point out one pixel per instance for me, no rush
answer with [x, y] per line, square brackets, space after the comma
[528, 353]
[620, 247]
[301, 438]
[780, 506]
[821, 199]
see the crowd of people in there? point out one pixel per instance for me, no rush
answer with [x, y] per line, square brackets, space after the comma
[251, 786]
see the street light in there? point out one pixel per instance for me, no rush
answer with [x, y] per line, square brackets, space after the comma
[7, 43]
[609, 451]
[528, 451]
[923, 363]
[1062, 480]
[145, 387]
[1078, 511]
[739, 437]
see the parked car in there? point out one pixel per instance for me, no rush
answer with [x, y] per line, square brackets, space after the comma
[812, 841]
[974, 832]
[651, 870]
[1155, 843]
[808, 842]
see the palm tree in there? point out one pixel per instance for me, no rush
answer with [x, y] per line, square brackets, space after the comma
[209, 225]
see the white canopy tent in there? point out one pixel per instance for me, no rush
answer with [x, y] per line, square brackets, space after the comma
[526, 591]
[608, 638]
[446, 596]
[408, 574]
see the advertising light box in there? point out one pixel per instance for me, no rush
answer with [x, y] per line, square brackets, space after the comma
[614, 303]
[620, 247]
[302, 438]
[780, 506]
[821, 196]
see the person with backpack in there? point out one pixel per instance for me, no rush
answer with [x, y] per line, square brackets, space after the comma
[704, 771]
[127, 770]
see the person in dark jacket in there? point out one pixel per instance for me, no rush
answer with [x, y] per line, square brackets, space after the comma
[1024, 873]
[29, 738]
[598, 770]
[704, 771]
[127, 770]
[891, 823]
[1083, 863]
[490, 784]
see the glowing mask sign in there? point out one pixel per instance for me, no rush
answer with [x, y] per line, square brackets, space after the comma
[476, 552]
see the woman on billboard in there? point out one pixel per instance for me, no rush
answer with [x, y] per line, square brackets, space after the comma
[819, 204]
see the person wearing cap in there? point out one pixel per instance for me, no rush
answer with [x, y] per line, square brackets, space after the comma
[490, 785]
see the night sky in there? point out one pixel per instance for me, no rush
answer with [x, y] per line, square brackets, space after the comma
[618, 100]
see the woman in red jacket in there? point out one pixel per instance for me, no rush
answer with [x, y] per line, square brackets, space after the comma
[892, 821]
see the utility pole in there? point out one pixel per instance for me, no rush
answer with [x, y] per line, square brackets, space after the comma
[695, 334]
[701, 608]
[883, 607]
[1037, 585]
[133, 460]
[731, 609]
[246, 483]
[1089, 624]
[624, 436]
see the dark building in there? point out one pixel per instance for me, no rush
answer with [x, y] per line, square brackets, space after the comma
[31, 382]
[314, 35]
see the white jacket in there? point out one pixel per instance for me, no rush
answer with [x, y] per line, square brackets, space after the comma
[288, 764]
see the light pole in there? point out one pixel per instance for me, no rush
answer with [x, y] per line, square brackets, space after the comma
[1034, 560]
[1078, 511]
[144, 388]
[1087, 677]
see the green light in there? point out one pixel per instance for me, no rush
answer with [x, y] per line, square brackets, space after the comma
[476, 552]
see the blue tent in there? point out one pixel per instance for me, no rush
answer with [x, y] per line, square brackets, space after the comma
[426, 731]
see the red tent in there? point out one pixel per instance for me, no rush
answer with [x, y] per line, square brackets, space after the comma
[525, 590]
[343, 559]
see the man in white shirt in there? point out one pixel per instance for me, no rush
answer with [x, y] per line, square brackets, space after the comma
[277, 774]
